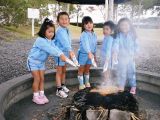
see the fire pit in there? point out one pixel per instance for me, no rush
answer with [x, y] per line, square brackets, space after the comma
[16, 95]
[88, 103]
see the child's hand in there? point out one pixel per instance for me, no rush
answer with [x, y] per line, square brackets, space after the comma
[63, 57]
[90, 55]
[95, 58]
[115, 57]
[75, 61]
[71, 54]
[105, 67]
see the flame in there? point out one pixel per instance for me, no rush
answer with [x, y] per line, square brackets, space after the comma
[106, 90]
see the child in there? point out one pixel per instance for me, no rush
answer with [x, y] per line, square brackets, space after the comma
[125, 48]
[106, 51]
[42, 48]
[63, 41]
[86, 52]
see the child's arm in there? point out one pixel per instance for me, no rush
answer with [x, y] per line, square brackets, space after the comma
[85, 43]
[109, 47]
[86, 46]
[95, 49]
[52, 50]
[115, 45]
[115, 49]
[64, 41]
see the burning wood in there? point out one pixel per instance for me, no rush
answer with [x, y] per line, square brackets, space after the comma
[106, 98]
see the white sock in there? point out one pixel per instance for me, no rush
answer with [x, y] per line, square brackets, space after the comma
[41, 93]
[35, 94]
[86, 78]
[80, 78]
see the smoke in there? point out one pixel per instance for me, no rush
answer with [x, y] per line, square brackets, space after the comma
[117, 74]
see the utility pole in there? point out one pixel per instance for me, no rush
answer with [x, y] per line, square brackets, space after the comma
[106, 10]
[110, 10]
[139, 11]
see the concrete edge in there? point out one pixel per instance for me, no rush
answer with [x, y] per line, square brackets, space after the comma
[17, 88]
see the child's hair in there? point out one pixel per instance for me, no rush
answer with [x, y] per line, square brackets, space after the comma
[45, 25]
[132, 29]
[110, 24]
[85, 21]
[60, 14]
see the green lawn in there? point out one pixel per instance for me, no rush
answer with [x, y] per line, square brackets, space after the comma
[24, 32]
[76, 32]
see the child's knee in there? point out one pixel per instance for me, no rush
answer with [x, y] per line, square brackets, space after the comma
[81, 70]
[59, 70]
[42, 79]
[86, 71]
[64, 70]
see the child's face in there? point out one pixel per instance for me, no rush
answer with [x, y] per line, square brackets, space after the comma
[88, 26]
[49, 33]
[63, 20]
[107, 30]
[124, 27]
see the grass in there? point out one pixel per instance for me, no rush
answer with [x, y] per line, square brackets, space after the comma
[76, 32]
[10, 33]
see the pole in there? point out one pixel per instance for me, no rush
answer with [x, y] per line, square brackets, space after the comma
[139, 11]
[68, 8]
[106, 10]
[32, 27]
[110, 11]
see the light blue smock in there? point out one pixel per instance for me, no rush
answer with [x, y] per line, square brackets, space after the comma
[106, 50]
[126, 47]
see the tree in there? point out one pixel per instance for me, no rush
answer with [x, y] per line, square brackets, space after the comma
[15, 11]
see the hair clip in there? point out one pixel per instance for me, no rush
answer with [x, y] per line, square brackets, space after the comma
[49, 21]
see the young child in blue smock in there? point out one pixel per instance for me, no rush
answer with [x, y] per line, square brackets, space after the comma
[86, 52]
[42, 48]
[106, 50]
[125, 49]
[63, 41]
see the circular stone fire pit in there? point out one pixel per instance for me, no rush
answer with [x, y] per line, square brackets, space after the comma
[16, 94]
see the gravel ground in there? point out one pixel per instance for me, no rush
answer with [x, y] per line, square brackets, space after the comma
[13, 56]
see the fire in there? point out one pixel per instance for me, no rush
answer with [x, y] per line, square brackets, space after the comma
[106, 90]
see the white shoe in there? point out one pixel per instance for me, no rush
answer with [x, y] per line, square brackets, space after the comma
[87, 85]
[38, 100]
[81, 87]
[44, 98]
[65, 89]
[61, 94]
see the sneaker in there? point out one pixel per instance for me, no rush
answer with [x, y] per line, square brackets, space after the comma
[61, 94]
[87, 85]
[65, 89]
[81, 87]
[121, 89]
[38, 100]
[133, 90]
[44, 98]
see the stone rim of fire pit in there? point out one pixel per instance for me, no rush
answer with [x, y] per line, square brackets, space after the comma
[18, 88]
